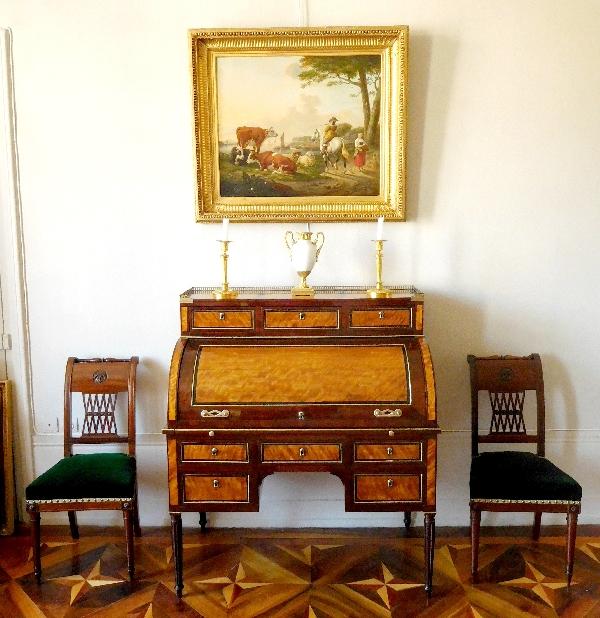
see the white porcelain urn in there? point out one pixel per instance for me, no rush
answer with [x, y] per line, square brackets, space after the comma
[304, 252]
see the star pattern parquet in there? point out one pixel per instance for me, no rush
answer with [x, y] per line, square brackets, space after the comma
[304, 574]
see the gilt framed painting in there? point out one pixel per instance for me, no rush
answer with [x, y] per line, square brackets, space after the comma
[300, 124]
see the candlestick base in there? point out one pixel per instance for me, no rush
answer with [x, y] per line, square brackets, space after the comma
[224, 294]
[379, 293]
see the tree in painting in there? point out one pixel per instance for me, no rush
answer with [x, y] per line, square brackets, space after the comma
[363, 72]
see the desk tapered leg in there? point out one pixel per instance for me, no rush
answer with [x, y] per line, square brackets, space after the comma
[177, 535]
[429, 534]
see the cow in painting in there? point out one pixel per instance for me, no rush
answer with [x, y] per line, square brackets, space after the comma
[264, 159]
[245, 135]
[283, 164]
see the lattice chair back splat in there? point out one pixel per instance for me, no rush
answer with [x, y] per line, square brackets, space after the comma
[99, 413]
[515, 481]
[99, 480]
[507, 413]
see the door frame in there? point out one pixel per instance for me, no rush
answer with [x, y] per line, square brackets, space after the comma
[13, 280]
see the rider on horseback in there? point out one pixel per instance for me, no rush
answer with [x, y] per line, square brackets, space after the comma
[330, 132]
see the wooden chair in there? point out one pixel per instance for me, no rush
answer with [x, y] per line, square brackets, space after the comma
[515, 481]
[105, 480]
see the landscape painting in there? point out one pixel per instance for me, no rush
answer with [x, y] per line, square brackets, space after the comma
[300, 123]
[310, 129]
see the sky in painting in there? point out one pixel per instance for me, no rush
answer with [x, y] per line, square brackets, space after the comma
[264, 91]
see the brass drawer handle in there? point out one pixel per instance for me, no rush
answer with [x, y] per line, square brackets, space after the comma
[214, 413]
[390, 482]
[381, 315]
[301, 416]
[214, 452]
[396, 412]
[390, 450]
[302, 452]
[216, 484]
[301, 316]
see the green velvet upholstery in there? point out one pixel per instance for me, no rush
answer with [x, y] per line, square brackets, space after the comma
[512, 475]
[100, 475]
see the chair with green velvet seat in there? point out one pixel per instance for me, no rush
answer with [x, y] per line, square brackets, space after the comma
[92, 481]
[515, 481]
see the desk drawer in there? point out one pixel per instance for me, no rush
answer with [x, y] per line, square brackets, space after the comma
[302, 319]
[380, 317]
[214, 452]
[386, 452]
[222, 319]
[301, 452]
[198, 488]
[387, 488]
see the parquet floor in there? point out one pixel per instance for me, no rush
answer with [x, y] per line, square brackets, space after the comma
[298, 574]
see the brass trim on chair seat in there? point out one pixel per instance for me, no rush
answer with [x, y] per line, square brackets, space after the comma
[29, 503]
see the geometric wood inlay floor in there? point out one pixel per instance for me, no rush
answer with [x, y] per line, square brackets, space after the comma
[297, 574]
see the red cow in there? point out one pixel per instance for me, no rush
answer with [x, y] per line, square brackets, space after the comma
[265, 159]
[253, 134]
[283, 164]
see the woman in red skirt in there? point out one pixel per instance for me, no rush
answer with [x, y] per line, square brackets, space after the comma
[360, 152]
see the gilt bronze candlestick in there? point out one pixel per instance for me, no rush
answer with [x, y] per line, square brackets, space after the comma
[379, 291]
[224, 293]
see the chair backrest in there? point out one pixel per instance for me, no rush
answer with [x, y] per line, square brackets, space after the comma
[100, 380]
[506, 378]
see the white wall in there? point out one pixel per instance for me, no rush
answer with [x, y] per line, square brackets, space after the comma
[503, 230]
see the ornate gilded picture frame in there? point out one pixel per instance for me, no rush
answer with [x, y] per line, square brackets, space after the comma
[300, 124]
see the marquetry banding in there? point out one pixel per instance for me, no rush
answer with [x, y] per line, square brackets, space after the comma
[185, 323]
[419, 317]
[172, 458]
[173, 380]
[431, 470]
[429, 380]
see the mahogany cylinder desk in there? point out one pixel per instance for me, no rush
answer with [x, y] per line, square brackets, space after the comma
[266, 383]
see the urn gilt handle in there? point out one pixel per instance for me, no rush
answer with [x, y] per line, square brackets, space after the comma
[317, 245]
[291, 242]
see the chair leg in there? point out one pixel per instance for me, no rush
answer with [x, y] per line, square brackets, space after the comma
[128, 523]
[136, 515]
[475, 526]
[34, 518]
[73, 524]
[537, 522]
[571, 535]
